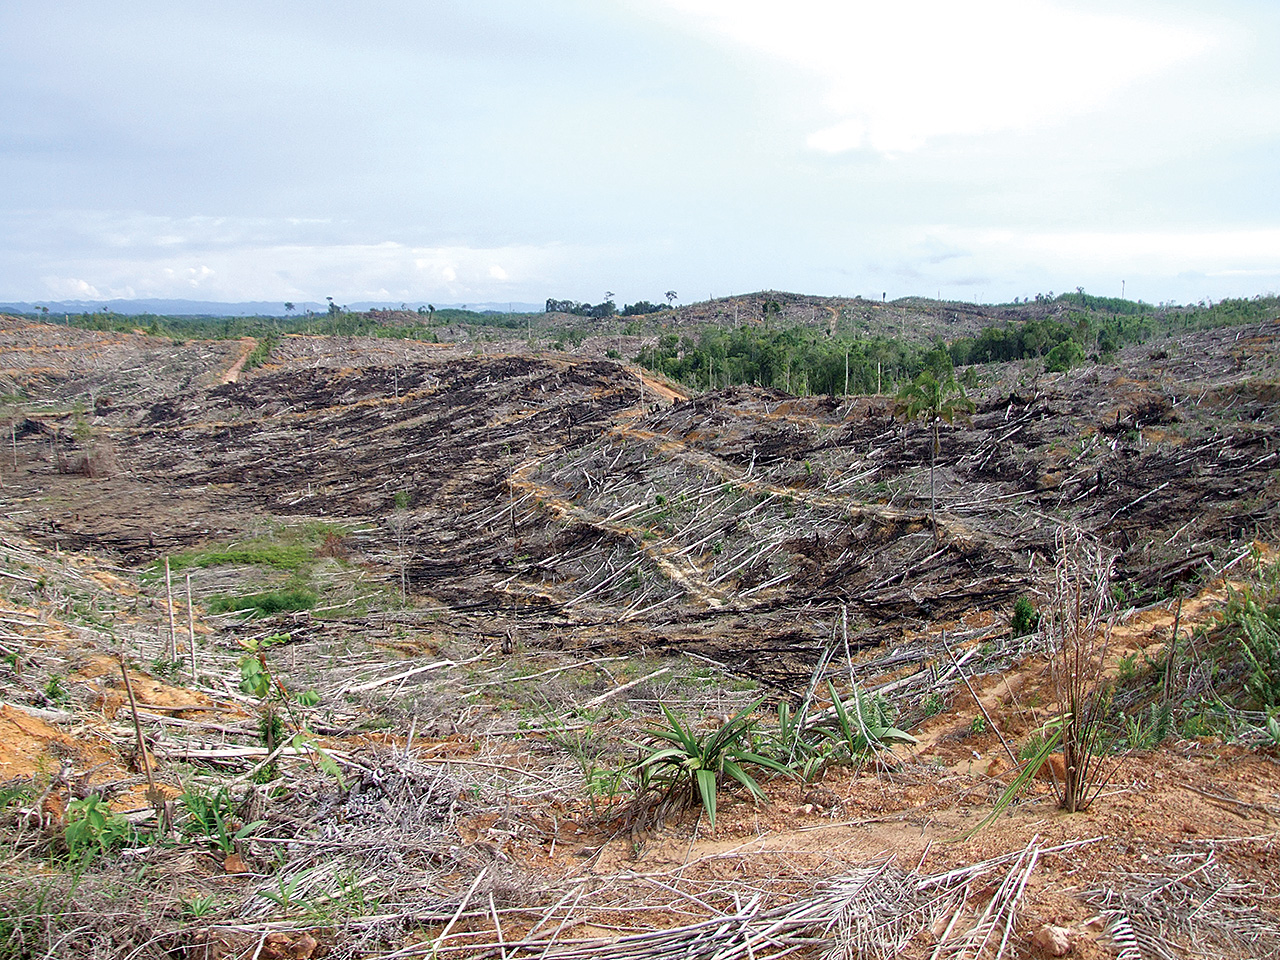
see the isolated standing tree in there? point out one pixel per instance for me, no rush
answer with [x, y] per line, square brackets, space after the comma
[671, 296]
[399, 522]
[288, 307]
[934, 401]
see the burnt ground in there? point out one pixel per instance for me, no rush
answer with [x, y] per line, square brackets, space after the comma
[585, 513]
[745, 524]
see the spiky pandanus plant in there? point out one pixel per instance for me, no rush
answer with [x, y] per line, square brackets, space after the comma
[697, 763]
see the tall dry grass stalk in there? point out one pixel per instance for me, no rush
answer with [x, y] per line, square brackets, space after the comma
[1077, 622]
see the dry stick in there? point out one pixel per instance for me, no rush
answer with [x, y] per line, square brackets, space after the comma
[480, 763]
[1015, 896]
[955, 917]
[1012, 759]
[747, 918]
[547, 673]
[191, 630]
[985, 925]
[631, 613]
[1180, 529]
[844, 633]
[596, 701]
[606, 581]
[568, 915]
[152, 794]
[907, 572]
[1231, 563]
[194, 724]
[1170, 668]
[405, 675]
[764, 586]
[1270, 811]
[1130, 506]
[750, 559]
[680, 893]
[497, 925]
[173, 630]
[461, 907]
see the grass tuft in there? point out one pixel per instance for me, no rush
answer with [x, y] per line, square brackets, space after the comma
[283, 600]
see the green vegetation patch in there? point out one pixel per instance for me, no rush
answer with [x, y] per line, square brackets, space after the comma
[1223, 679]
[799, 360]
[290, 548]
[282, 556]
[262, 352]
[284, 600]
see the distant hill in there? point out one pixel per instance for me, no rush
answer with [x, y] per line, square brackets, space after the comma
[250, 308]
[909, 317]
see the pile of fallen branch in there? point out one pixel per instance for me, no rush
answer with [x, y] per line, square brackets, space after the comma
[876, 911]
[1189, 904]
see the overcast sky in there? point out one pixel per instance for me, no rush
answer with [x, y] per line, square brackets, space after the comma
[510, 150]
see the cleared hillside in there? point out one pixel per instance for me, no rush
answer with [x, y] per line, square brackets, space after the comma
[495, 566]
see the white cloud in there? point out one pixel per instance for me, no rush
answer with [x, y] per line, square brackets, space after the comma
[900, 74]
[1183, 265]
[71, 288]
[307, 271]
[1173, 251]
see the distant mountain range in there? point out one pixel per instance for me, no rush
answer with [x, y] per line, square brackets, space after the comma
[251, 308]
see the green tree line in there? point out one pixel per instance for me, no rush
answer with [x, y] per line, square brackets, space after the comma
[802, 360]
[335, 322]
[798, 360]
[1097, 327]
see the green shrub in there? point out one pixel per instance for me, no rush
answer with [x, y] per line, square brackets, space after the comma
[265, 604]
[262, 352]
[1258, 641]
[1127, 668]
[93, 828]
[212, 815]
[55, 690]
[1144, 731]
[31, 918]
[1063, 357]
[17, 791]
[1026, 619]
[794, 744]
[1034, 745]
[286, 548]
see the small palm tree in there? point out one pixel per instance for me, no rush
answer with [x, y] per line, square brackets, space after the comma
[934, 401]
